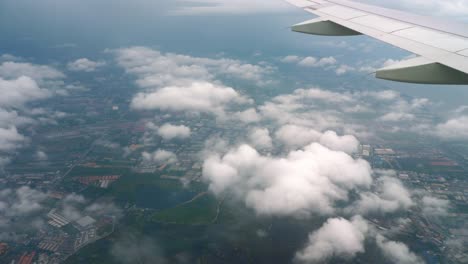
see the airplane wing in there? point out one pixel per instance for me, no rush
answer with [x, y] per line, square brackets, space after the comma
[442, 46]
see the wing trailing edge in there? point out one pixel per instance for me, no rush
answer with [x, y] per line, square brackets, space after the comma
[324, 27]
[422, 70]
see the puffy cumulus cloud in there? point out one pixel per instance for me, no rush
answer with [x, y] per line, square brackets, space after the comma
[14, 70]
[13, 118]
[203, 7]
[21, 84]
[305, 182]
[17, 92]
[390, 196]
[325, 62]
[155, 69]
[363, 114]
[363, 67]
[397, 252]
[168, 131]
[291, 59]
[10, 139]
[453, 129]
[260, 137]
[346, 143]
[296, 136]
[84, 65]
[404, 109]
[314, 107]
[314, 62]
[247, 116]
[197, 97]
[434, 206]
[338, 237]
[160, 156]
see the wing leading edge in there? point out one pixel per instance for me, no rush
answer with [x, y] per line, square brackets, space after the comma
[442, 46]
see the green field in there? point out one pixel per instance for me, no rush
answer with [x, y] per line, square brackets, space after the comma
[200, 211]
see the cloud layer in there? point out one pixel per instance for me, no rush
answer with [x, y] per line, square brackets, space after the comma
[305, 182]
[168, 131]
[338, 237]
[84, 65]
[21, 84]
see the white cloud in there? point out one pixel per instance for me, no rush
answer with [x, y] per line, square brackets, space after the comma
[314, 62]
[10, 139]
[260, 137]
[338, 237]
[397, 252]
[305, 182]
[168, 131]
[160, 157]
[20, 84]
[296, 136]
[85, 65]
[346, 143]
[155, 69]
[291, 59]
[390, 196]
[247, 116]
[198, 97]
[17, 92]
[358, 113]
[184, 83]
[309, 61]
[14, 70]
[454, 129]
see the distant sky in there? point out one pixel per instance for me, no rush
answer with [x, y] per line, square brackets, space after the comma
[52, 32]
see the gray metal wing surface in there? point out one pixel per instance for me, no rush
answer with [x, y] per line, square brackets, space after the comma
[442, 46]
